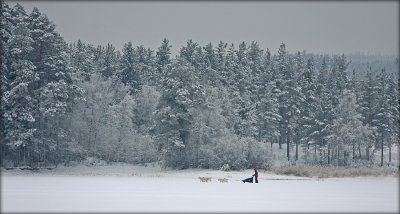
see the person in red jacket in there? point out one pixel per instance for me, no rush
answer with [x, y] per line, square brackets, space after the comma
[255, 175]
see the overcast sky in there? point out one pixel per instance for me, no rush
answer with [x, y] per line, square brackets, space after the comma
[319, 27]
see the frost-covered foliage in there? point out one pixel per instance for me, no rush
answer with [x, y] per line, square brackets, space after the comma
[218, 107]
[327, 171]
[347, 131]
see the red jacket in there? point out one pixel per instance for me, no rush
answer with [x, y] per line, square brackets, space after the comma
[255, 173]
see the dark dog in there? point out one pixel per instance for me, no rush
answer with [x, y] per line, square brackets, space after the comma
[248, 180]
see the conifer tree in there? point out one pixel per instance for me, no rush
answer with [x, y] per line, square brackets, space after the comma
[129, 69]
[163, 54]
[82, 61]
[19, 100]
[382, 120]
[181, 92]
[221, 53]
[54, 89]
[109, 62]
[393, 105]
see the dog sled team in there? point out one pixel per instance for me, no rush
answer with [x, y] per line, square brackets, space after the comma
[225, 180]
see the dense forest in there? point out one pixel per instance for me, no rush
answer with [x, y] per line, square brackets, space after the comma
[212, 106]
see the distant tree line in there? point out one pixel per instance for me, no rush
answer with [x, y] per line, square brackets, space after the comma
[208, 107]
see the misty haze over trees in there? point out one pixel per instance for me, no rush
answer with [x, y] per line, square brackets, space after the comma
[214, 106]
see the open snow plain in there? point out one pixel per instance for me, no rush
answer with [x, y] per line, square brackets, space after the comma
[138, 189]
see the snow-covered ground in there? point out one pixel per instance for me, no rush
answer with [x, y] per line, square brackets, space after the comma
[127, 188]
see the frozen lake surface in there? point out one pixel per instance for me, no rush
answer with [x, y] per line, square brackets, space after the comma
[182, 191]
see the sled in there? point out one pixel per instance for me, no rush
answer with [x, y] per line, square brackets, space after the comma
[248, 180]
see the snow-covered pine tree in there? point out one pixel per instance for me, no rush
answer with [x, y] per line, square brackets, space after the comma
[369, 105]
[18, 15]
[5, 33]
[245, 109]
[290, 96]
[260, 91]
[209, 69]
[149, 70]
[181, 91]
[163, 58]
[281, 67]
[81, 61]
[163, 55]
[269, 97]
[6, 24]
[143, 58]
[342, 80]
[188, 52]
[221, 53]
[355, 86]
[109, 62]
[267, 110]
[241, 53]
[382, 119]
[255, 55]
[324, 111]
[339, 77]
[19, 100]
[309, 107]
[210, 56]
[298, 129]
[11, 17]
[231, 67]
[129, 69]
[394, 106]
[53, 91]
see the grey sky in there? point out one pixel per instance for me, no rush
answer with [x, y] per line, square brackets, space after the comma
[322, 27]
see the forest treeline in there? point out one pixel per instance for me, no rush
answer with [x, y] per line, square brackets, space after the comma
[207, 107]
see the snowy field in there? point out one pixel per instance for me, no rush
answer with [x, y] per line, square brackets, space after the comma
[140, 189]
